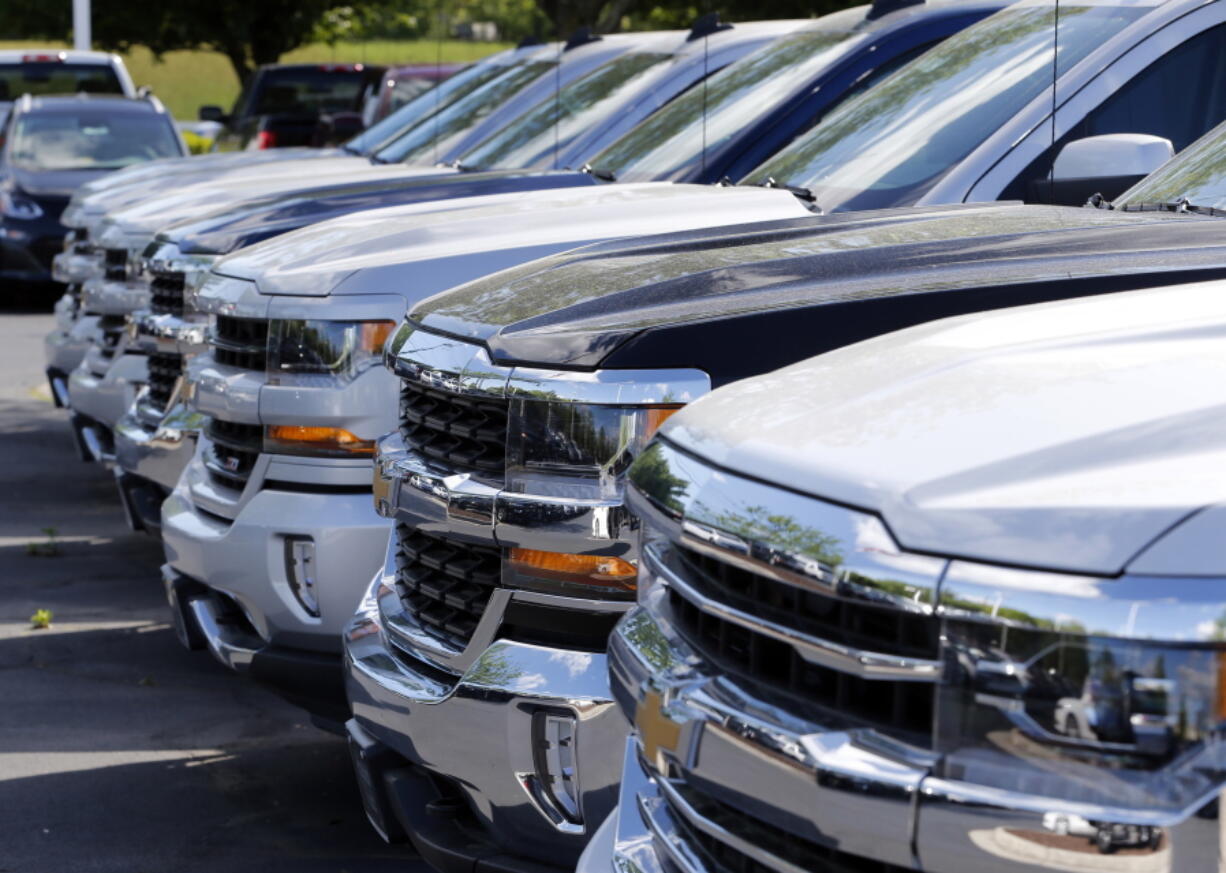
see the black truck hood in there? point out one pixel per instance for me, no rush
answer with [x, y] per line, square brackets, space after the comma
[747, 299]
[258, 220]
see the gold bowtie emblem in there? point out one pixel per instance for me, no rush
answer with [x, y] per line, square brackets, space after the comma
[657, 732]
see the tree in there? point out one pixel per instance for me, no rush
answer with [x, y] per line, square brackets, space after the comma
[248, 32]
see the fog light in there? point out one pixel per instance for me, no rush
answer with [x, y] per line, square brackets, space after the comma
[300, 570]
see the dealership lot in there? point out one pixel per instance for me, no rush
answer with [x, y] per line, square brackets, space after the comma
[120, 751]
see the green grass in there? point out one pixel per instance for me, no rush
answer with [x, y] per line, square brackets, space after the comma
[187, 80]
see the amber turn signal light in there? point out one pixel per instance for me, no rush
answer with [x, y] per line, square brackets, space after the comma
[375, 334]
[656, 418]
[602, 570]
[330, 439]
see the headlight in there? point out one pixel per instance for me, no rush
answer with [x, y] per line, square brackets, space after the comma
[13, 205]
[573, 457]
[338, 349]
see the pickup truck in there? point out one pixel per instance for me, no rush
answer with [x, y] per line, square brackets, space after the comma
[282, 104]
[525, 396]
[867, 579]
[648, 63]
[41, 72]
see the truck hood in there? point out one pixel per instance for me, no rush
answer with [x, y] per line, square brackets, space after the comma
[215, 163]
[574, 309]
[151, 211]
[266, 217]
[1066, 436]
[424, 248]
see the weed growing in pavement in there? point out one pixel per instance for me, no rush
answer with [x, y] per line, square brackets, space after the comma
[48, 549]
[41, 619]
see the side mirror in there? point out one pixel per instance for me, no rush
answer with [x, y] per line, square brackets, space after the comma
[212, 113]
[1108, 165]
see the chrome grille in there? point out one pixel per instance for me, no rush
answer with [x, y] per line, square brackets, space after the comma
[241, 342]
[115, 264]
[720, 856]
[771, 666]
[235, 449]
[464, 434]
[164, 372]
[443, 583]
[166, 293]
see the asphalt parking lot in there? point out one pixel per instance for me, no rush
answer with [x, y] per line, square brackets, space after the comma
[120, 751]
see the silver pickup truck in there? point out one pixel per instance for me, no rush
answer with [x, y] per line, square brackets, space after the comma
[946, 600]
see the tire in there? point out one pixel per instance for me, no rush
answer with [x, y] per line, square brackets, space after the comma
[1104, 842]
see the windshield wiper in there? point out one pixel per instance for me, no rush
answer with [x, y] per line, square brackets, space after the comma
[599, 173]
[802, 193]
[1181, 205]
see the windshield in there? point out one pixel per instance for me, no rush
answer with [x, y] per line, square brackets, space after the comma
[308, 91]
[533, 138]
[1197, 174]
[670, 143]
[57, 78]
[420, 143]
[447, 92]
[89, 141]
[892, 144]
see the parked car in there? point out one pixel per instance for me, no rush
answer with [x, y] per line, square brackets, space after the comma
[51, 145]
[282, 104]
[987, 483]
[42, 72]
[524, 397]
[402, 85]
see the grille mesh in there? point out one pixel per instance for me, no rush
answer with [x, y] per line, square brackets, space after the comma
[901, 709]
[241, 342]
[164, 372]
[235, 449]
[166, 293]
[445, 584]
[115, 264]
[722, 857]
[464, 434]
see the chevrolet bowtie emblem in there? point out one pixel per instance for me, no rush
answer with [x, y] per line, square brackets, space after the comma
[657, 732]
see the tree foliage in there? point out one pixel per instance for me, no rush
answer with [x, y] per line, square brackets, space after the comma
[247, 32]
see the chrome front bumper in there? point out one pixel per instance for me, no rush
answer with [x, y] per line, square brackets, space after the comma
[750, 782]
[114, 297]
[73, 268]
[487, 731]
[155, 446]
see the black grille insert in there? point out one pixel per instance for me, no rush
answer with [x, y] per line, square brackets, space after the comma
[111, 329]
[724, 858]
[772, 667]
[445, 584]
[234, 451]
[164, 372]
[241, 342]
[115, 264]
[465, 434]
[166, 294]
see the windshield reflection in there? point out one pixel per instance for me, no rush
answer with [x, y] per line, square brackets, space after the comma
[892, 144]
[536, 138]
[671, 142]
[1197, 174]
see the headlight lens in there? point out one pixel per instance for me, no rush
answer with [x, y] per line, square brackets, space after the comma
[576, 450]
[575, 456]
[332, 348]
[14, 205]
[307, 440]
